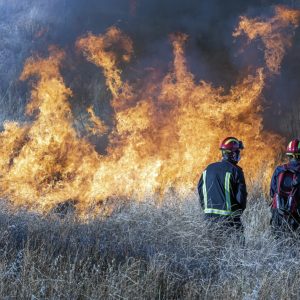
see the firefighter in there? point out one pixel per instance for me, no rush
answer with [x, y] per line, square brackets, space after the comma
[222, 188]
[285, 191]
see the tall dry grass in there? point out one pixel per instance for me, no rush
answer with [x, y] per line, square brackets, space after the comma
[146, 252]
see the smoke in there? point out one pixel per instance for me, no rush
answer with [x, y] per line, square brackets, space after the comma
[29, 27]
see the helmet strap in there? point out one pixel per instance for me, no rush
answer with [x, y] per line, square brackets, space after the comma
[294, 156]
[232, 156]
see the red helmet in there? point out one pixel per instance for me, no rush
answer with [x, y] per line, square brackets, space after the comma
[231, 144]
[293, 147]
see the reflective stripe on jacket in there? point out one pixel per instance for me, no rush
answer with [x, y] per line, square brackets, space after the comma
[222, 189]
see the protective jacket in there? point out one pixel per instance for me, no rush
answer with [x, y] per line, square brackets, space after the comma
[222, 189]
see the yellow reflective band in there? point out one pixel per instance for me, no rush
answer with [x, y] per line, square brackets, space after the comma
[204, 191]
[218, 212]
[231, 140]
[227, 191]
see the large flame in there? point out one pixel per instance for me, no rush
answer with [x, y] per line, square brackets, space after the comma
[273, 33]
[47, 163]
[160, 140]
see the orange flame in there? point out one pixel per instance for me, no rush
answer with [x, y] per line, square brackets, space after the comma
[273, 33]
[97, 127]
[100, 51]
[160, 141]
[48, 164]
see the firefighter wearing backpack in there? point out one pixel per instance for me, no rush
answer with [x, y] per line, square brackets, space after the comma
[222, 189]
[285, 190]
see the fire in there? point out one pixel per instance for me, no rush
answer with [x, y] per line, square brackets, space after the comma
[46, 163]
[100, 51]
[273, 33]
[97, 127]
[159, 142]
[130, 169]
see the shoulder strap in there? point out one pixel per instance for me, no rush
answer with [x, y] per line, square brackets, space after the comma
[280, 176]
[298, 169]
[279, 181]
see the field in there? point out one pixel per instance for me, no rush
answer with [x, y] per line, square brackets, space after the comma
[104, 103]
[146, 252]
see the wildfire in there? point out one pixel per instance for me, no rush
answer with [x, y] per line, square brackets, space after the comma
[159, 141]
[273, 33]
[44, 162]
[100, 50]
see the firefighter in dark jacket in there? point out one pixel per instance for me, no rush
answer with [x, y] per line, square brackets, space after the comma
[222, 188]
[285, 190]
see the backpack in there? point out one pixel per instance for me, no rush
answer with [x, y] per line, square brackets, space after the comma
[285, 198]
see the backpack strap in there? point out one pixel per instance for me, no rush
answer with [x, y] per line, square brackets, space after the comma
[291, 203]
[279, 180]
[281, 174]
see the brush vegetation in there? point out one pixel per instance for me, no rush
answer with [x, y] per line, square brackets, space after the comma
[146, 252]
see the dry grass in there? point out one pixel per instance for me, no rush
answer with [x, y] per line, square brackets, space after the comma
[145, 252]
